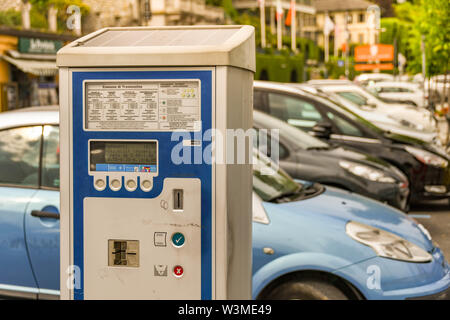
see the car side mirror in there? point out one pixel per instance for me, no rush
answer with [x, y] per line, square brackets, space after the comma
[369, 106]
[322, 130]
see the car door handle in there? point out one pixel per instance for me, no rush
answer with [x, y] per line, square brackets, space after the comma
[44, 214]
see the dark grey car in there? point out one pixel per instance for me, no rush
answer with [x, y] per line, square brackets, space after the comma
[308, 158]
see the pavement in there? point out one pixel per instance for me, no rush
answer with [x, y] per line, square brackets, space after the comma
[435, 217]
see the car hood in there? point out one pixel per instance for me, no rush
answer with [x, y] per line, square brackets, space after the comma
[340, 153]
[427, 137]
[412, 115]
[408, 140]
[346, 206]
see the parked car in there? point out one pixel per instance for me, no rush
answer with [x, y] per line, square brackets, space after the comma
[365, 78]
[418, 118]
[404, 92]
[425, 165]
[309, 241]
[441, 84]
[358, 104]
[29, 185]
[305, 157]
[316, 242]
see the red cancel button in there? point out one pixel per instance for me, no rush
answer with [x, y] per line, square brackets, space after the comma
[178, 271]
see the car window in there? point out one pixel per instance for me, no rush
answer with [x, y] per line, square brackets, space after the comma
[283, 152]
[50, 157]
[19, 156]
[344, 126]
[354, 97]
[348, 114]
[258, 101]
[390, 90]
[294, 110]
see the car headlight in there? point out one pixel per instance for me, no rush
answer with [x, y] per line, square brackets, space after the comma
[427, 157]
[386, 244]
[366, 172]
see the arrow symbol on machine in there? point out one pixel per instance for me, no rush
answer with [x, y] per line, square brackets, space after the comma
[160, 270]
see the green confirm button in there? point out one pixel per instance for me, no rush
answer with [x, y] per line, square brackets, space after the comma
[178, 239]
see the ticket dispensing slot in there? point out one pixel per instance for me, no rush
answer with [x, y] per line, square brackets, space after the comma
[123, 253]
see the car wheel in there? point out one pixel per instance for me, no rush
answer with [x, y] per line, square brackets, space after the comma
[306, 290]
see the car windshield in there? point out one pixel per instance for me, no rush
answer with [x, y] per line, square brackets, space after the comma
[375, 95]
[353, 97]
[373, 90]
[270, 182]
[300, 138]
[342, 109]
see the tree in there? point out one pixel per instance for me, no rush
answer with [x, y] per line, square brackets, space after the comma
[430, 18]
[42, 7]
[386, 8]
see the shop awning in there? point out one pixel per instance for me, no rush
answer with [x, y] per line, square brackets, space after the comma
[36, 67]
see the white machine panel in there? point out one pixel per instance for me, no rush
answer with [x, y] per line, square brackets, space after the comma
[160, 253]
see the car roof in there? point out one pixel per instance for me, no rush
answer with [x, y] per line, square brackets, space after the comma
[395, 84]
[305, 87]
[29, 116]
[367, 76]
[329, 81]
[339, 87]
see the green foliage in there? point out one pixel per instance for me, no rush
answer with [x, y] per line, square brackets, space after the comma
[61, 5]
[10, 18]
[13, 18]
[279, 67]
[38, 14]
[335, 71]
[429, 18]
[216, 3]
[38, 19]
[229, 9]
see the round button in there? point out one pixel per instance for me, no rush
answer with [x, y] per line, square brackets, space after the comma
[115, 184]
[178, 239]
[100, 184]
[131, 184]
[178, 271]
[146, 184]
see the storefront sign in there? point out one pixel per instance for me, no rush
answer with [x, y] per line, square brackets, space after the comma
[374, 66]
[35, 45]
[377, 52]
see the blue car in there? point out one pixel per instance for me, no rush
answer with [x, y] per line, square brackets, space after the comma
[309, 242]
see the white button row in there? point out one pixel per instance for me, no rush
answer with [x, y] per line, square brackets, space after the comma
[115, 184]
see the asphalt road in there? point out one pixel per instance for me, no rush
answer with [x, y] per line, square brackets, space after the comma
[435, 216]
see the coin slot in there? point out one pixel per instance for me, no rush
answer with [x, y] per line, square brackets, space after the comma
[178, 199]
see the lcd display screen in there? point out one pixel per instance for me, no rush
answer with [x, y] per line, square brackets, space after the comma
[120, 156]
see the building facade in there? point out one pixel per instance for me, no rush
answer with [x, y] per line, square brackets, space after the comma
[28, 71]
[118, 13]
[305, 14]
[353, 19]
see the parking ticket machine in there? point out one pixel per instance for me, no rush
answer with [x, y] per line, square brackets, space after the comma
[147, 209]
